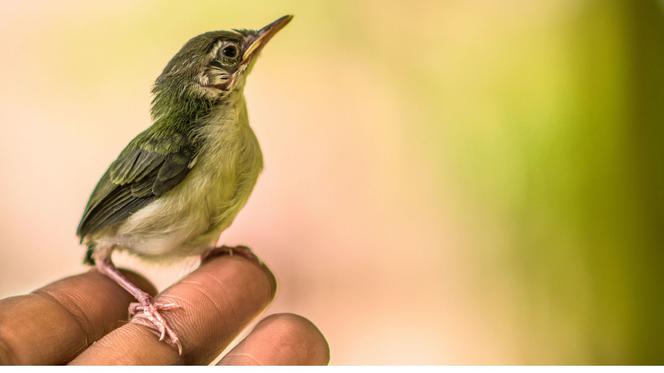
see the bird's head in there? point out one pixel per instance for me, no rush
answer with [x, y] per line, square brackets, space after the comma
[214, 64]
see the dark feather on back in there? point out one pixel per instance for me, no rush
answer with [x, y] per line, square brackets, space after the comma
[151, 165]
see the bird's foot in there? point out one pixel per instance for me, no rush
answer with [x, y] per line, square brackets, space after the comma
[242, 251]
[147, 313]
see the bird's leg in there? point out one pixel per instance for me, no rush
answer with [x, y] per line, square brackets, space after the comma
[146, 311]
[231, 251]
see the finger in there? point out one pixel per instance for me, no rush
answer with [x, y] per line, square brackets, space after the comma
[217, 301]
[281, 339]
[55, 323]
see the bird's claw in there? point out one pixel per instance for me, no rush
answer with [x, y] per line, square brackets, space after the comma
[147, 314]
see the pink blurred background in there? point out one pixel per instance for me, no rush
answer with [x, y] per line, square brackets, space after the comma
[398, 142]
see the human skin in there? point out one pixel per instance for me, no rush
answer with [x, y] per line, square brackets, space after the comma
[76, 320]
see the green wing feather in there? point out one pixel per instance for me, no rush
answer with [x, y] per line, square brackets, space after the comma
[152, 164]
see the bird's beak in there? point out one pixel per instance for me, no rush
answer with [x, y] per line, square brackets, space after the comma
[263, 36]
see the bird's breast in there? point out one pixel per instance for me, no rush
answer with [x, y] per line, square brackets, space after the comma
[189, 219]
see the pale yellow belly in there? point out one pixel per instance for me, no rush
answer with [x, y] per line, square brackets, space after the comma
[188, 219]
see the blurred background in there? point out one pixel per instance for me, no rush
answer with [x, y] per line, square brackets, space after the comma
[457, 182]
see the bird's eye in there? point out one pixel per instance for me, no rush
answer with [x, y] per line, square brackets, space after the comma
[229, 51]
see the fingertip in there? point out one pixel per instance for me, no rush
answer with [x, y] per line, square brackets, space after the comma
[209, 264]
[281, 339]
[245, 253]
[271, 278]
[295, 327]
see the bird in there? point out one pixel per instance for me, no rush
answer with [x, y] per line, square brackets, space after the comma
[178, 184]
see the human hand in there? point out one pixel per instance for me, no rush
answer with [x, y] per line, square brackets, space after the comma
[76, 320]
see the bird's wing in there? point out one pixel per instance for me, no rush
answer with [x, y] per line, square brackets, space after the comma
[152, 164]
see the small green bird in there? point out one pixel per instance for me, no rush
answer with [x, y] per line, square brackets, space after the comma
[181, 182]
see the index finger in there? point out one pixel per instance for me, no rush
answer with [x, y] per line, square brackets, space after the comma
[216, 302]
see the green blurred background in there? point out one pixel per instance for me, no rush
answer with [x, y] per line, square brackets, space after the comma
[446, 181]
